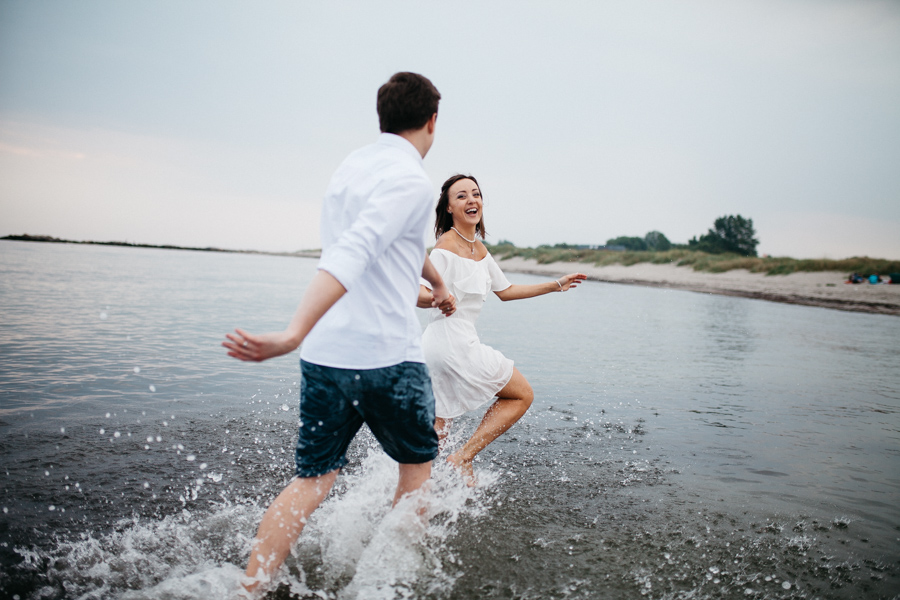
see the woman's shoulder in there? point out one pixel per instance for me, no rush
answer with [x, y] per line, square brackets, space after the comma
[444, 242]
[449, 243]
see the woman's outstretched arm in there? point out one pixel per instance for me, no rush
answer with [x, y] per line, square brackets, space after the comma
[519, 292]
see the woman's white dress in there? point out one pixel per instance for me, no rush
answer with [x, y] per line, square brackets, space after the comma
[464, 372]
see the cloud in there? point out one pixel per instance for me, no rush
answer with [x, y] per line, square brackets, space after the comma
[106, 185]
[582, 120]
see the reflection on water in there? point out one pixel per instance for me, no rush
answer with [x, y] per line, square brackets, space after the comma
[728, 331]
[680, 445]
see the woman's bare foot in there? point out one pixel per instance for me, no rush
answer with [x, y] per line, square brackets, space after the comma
[465, 469]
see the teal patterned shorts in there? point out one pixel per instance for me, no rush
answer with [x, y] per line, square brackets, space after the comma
[395, 402]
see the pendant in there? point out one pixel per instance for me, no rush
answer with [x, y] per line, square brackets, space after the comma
[473, 250]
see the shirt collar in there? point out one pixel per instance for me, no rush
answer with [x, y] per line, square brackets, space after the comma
[396, 141]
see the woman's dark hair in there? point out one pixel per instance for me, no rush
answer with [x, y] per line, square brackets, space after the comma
[406, 102]
[443, 220]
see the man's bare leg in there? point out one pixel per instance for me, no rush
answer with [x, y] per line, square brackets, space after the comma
[512, 402]
[282, 524]
[412, 476]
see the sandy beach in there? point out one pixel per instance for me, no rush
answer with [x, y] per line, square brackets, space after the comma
[826, 289]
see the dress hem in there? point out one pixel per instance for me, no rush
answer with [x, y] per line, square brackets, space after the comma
[494, 397]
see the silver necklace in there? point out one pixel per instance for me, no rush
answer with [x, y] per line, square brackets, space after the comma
[465, 238]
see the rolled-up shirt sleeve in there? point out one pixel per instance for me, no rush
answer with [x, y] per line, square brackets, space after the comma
[383, 218]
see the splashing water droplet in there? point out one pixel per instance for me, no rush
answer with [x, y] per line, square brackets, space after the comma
[146, 484]
[191, 457]
[137, 370]
[51, 507]
[150, 438]
[46, 473]
[62, 429]
[285, 407]
[107, 415]
[152, 388]
[103, 316]
[786, 585]
[202, 466]
[117, 434]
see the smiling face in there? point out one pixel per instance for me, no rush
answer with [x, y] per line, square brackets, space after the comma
[464, 204]
[459, 205]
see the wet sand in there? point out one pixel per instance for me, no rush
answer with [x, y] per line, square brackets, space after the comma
[825, 289]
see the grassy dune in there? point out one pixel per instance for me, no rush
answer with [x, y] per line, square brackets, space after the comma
[701, 261]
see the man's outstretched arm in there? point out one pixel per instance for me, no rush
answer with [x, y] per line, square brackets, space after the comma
[323, 292]
[441, 297]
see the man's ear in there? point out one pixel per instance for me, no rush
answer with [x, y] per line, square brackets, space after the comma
[431, 123]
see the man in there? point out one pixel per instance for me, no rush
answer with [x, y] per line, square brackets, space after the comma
[363, 360]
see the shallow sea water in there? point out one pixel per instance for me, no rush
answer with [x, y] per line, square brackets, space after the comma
[681, 445]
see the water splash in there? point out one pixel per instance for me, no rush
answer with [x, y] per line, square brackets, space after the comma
[369, 550]
[355, 545]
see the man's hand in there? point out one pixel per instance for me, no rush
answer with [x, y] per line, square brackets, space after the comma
[257, 348]
[448, 306]
[323, 291]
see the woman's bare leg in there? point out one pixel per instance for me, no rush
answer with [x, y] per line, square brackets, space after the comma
[442, 428]
[512, 402]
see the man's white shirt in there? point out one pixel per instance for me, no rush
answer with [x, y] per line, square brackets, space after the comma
[374, 217]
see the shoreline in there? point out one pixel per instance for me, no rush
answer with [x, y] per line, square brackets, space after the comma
[46, 239]
[824, 289]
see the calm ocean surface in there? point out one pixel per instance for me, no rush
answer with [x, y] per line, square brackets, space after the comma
[680, 446]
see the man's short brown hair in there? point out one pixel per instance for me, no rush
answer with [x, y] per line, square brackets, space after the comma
[406, 102]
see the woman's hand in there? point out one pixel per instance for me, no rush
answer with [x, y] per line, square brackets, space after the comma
[257, 348]
[571, 280]
[448, 306]
[427, 300]
[443, 299]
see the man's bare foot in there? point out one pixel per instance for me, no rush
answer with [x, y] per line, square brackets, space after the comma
[465, 469]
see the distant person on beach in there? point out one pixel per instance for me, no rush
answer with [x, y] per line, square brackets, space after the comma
[466, 374]
[361, 360]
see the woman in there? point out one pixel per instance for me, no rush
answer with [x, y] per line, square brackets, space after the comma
[465, 373]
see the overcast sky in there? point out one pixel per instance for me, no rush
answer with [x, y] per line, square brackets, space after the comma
[220, 123]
